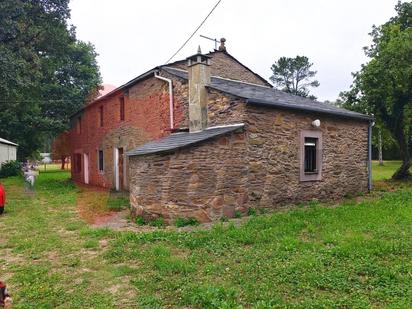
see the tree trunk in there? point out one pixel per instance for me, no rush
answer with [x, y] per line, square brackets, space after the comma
[63, 159]
[380, 147]
[403, 171]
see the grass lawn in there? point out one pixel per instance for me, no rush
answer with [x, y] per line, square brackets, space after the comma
[357, 255]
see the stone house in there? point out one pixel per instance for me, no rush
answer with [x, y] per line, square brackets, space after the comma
[206, 137]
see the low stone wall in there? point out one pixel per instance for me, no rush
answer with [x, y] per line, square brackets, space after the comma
[205, 182]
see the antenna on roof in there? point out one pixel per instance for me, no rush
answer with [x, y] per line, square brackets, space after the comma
[214, 40]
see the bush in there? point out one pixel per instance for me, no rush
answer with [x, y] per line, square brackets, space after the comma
[181, 222]
[251, 212]
[10, 168]
[159, 222]
[140, 220]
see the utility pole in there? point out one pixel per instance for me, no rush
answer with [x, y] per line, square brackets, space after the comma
[380, 146]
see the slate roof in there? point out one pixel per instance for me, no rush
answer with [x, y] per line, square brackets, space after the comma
[181, 140]
[4, 141]
[266, 96]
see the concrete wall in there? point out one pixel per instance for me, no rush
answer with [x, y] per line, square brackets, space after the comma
[7, 153]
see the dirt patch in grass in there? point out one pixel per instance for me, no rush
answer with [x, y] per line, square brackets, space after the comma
[91, 205]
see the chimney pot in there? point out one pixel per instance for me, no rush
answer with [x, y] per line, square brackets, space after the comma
[222, 46]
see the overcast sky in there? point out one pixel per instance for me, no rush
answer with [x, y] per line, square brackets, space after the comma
[134, 36]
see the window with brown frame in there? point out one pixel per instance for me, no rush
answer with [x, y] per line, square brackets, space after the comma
[101, 116]
[101, 160]
[79, 125]
[77, 162]
[121, 108]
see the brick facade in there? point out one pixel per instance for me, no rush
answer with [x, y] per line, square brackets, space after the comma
[146, 118]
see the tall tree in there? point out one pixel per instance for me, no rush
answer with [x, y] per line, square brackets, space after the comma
[294, 75]
[383, 86]
[45, 72]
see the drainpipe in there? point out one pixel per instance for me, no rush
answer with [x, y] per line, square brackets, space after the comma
[171, 104]
[371, 124]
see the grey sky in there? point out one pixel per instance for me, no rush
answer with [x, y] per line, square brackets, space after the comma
[131, 37]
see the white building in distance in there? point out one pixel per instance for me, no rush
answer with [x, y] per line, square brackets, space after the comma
[8, 151]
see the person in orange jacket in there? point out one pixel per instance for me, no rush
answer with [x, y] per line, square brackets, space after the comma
[2, 198]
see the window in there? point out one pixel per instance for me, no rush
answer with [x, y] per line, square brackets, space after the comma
[101, 116]
[121, 108]
[77, 163]
[79, 125]
[310, 155]
[101, 161]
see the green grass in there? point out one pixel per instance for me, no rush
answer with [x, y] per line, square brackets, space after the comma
[357, 255]
[386, 171]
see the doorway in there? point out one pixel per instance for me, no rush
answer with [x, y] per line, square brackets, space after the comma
[119, 168]
[86, 168]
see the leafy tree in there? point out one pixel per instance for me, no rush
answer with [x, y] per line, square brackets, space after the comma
[383, 87]
[294, 75]
[45, 72]
[61, 148]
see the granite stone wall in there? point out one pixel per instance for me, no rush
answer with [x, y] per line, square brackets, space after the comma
[259, 168]
[205, 182]
[273, 138]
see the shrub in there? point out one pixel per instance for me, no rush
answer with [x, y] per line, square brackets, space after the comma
[181, 222]
[159, 222]
[140, 220]
[251, 212]
[10, 168]
[238, 214]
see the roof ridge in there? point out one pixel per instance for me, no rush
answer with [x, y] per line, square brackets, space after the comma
[220, 77]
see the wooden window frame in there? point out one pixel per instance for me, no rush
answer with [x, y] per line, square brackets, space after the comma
[101, 115]
[122, 109]
[316, 175]
[100, 164]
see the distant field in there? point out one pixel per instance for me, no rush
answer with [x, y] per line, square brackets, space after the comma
[354, 255]
[386, 171]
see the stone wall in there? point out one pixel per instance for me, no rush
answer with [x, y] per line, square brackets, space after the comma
[274, 163]
[259, 168]
[224, 65]
[205, 182]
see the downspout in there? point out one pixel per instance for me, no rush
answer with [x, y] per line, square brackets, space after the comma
[371, 124]
[171, 103]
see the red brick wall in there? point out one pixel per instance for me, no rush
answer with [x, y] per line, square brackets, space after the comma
[146, 118]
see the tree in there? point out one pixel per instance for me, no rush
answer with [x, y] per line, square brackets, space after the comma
[294, 75]
[61, 148]
[45, 72]
[383, 87]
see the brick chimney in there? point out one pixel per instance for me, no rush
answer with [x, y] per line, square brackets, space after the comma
[199, 78]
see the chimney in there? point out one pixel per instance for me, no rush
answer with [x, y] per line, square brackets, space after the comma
[199, 78]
